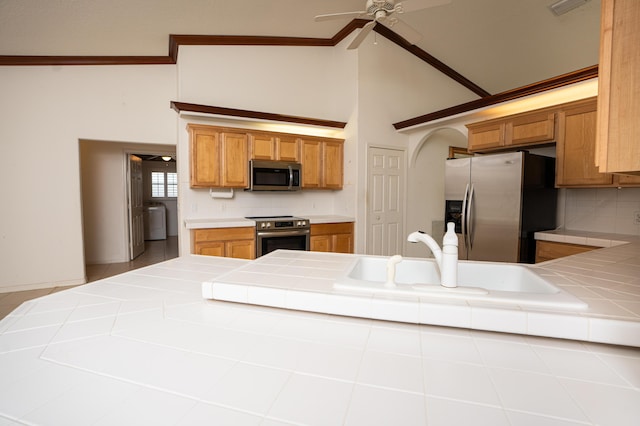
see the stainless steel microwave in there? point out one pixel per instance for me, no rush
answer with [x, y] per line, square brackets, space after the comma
[266, 175]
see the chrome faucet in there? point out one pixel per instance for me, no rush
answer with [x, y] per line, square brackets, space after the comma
[447, 262]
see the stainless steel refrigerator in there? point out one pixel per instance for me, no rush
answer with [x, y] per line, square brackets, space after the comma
[498, 201]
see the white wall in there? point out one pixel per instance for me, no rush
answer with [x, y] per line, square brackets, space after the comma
[425, 195]
[394, 86]
[46, 111]
[317, 82]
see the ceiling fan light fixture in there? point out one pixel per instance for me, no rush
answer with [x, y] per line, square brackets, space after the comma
[563, 6]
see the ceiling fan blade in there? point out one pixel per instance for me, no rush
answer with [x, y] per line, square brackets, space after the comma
[363, 34]
[412, 5]
[330, 16]
[403, 29]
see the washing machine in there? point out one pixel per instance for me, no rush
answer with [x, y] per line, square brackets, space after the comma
[155, 221]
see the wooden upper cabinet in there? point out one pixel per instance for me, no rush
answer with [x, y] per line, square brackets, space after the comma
[486, 135]
[311, 164]
[525, 129]
[575, 148]
[322, 164]
[235, 160]
[263, 146]
[288, 148]
[530, 128]
[333, 165]
[217, 158]
[274, 147]
[204, 152]
[618, 146]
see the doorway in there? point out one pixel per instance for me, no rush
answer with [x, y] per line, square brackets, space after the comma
[153, 214]
[386, 176]
[105, 212]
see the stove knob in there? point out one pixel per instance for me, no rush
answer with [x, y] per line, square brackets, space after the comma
[268, 224]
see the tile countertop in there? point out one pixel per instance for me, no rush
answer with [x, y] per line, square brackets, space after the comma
[240, 222]
[608, 280]
[145, 348]
[595, 239]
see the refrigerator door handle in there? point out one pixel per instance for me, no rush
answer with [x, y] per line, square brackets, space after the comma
[464, 220]
[470, 218]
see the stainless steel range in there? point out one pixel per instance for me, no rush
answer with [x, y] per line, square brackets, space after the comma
[281, 232]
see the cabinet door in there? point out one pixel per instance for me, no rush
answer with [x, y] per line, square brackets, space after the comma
[343, 243]
[486, 135]
[235, 160]
[214, 248]
[618, 100]
[288, 148]
[575, 148]
[311, 164]
[548, 250]
[320, 243]
[532, 128]
[204, 158]
[241, 249]
[332, 237]
[333, 165]
[263, 147]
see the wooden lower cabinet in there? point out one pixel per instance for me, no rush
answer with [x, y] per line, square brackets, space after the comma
[239, 243]
[549, 250]
[332, 237]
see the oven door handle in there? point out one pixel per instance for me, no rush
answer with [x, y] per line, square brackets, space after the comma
[293, 233]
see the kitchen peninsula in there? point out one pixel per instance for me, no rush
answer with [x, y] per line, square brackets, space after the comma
[144, 347]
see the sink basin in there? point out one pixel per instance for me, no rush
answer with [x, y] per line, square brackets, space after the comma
[508, 283]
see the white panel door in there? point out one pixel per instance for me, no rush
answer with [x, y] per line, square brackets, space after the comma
[136, 207]
[385, 194]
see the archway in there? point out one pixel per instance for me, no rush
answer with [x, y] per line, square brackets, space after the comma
[425, 184]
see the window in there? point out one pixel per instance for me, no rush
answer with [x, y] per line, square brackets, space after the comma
[164, 184]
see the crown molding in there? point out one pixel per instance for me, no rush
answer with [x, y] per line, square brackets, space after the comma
[241, 113]
[509, 95]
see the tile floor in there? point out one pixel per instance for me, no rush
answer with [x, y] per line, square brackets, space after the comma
[155, 252]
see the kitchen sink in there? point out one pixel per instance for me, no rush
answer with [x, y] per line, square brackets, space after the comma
[503, 283]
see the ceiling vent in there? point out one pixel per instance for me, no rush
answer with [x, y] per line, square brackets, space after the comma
[563, 6]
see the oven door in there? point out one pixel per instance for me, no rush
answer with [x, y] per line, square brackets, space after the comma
[268, 241]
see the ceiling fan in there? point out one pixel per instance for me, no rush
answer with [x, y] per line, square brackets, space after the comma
[383, 12]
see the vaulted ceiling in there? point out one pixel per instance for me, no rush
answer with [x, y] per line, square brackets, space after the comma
[497, 44]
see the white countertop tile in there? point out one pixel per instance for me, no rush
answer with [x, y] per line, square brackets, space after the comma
[146, 348]
[608, 280]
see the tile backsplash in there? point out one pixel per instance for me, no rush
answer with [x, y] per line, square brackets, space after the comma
[608, 210]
